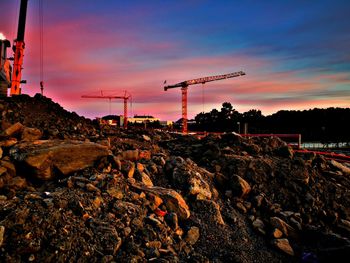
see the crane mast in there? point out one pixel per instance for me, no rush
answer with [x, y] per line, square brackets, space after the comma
[184, 87]
[18, 49]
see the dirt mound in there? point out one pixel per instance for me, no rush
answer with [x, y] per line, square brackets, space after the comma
[92, 194]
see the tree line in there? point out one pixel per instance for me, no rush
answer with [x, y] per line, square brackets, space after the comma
[325, 125]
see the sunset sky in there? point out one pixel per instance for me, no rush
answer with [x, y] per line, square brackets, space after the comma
[296, 54]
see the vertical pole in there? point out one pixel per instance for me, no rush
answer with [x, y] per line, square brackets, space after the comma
[184, 109]
[299, 141]
[125, 112]
[19, 50]
[17, 68]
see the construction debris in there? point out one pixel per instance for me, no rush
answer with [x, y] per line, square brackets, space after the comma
[72, 191]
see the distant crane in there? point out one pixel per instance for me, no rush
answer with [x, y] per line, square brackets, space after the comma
[125, 98]
[184, 86]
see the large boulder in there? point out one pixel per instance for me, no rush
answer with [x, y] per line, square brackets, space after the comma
[43, 158]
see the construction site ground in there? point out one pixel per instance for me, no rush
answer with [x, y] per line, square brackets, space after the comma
[72, 191]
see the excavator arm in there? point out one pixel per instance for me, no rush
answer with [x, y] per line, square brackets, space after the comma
[18, 49]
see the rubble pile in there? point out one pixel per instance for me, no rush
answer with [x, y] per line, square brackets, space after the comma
[73, 191]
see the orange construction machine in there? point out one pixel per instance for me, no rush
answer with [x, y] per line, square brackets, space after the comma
[7, 79]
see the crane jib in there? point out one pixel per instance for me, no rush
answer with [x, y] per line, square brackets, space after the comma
[204, 80]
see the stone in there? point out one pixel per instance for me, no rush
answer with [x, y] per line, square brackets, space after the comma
[241, 207]
[199, 188]
[259, 225]
[283, 245]
[155, 201]
[240, 187]
[92, 188]
[189, 177]
[145, 154]
[146, 180]
[192, 235]
[341, 167]
[285, 151]
[1, 152]
[131, 170]
[18, 182]
[10, 167]
[285, 228]
[172, 220]
[9, 142]
[130, 155]
[344, 225]
[13, 130]
[276, 233]
[2, 233]
[173, 201]
[154, 244]
[44, 157]
[146, 138]
[31, 134]
[115, 192]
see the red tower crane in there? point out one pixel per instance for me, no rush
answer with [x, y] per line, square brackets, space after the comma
[184, 86]
[125, 98]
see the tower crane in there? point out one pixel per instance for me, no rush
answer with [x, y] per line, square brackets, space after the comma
[125, 98]
[184, 86]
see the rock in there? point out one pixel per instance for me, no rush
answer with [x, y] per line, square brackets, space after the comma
[18, 183]
[285, 151]
[240, 187]
[13, 130]
[344, 225]
[92, 188]
[144, 178]
[276, 233]
[31, 134]
[145, 154]
[283, 245]
[259, 225]
[155, 201]
[188, 177]
[154, 244]
[286, 229]
[211, 211]
[172, 220]
[1, 152]
[10, 167]
[2, 233]
[192, 235]
[241, 207]
[130, 155]
[341, 167]
[135, 155]
[44, 157]
[146, 138]
[8, 143]
[173, 201]
[115, 192]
